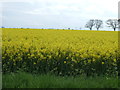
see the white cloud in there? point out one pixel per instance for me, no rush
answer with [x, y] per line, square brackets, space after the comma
[83, 7]
[54, 10]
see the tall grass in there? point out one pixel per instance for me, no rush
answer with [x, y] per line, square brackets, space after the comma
[26, 80]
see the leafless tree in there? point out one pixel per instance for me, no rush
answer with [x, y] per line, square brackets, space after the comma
[98, 24]
[2, 27]
[90, 24]
[112, 23]
[68, 28]
[119, 24]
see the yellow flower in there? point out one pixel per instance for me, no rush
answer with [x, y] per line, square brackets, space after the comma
[89, 61]
[103, 62]
[67, 57]
[74, 61]
[93, 60]
[32, 55]
[114, 60]
[65, 62]
[34, 62]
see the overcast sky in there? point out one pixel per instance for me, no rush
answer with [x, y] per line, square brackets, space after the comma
[56, 13]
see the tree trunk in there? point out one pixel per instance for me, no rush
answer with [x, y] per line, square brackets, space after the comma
[114, 29]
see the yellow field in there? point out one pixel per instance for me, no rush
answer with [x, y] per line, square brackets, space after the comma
[59, 51]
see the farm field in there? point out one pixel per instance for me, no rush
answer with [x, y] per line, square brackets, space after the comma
[70, 53]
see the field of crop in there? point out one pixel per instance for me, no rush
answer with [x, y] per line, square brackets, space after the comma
[61, 52]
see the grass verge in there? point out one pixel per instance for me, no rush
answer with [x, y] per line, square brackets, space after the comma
[26, 80]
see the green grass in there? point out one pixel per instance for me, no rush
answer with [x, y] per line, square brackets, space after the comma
[25, 80]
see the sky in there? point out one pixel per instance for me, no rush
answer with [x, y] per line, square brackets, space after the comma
[57, 14]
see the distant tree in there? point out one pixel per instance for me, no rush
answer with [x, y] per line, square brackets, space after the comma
[98, 24]
[112, 23]
[2, 27]
[119, 24]
[90, 24]
[118, 20]
[68, 28]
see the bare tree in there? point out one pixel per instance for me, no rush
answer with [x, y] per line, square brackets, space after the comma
[98, 24]
[112, 23]
[90, 24]
[68, 28]
[2, 27]
[119, 24]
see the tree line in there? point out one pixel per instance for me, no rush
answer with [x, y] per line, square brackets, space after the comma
[97, 23]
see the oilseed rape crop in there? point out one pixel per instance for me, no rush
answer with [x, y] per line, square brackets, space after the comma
[62, 52]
